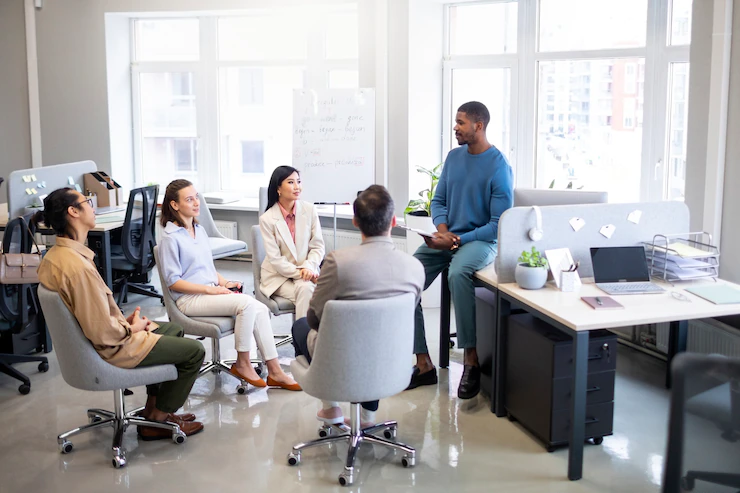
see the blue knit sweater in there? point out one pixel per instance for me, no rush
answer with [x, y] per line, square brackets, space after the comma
[473, 191]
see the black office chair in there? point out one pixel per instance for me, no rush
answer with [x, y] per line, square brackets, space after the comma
[23, 326]
[133, 258]
[705, 394]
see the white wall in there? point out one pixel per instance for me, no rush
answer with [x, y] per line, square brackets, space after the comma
[730, 246]
[15, 135]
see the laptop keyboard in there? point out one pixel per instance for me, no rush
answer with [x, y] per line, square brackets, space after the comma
[641, 287]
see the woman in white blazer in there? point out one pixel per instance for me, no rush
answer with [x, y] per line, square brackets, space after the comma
[294, 246]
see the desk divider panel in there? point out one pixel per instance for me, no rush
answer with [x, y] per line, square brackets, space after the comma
[53, 177]
[515, 223]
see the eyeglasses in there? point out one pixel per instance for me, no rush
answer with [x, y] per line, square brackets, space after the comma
[89, 201]
[680, 296]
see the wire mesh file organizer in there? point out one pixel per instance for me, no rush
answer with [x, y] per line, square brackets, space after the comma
[682, 257]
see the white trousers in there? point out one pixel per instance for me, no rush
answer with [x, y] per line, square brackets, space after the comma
[252, 317]
[299, 292]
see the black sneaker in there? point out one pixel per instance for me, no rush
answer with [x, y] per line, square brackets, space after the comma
[419, 379]
[469, 383]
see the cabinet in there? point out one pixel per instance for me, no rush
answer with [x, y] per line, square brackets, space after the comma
[538, 380]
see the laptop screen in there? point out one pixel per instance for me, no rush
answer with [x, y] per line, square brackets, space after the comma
[620, 264]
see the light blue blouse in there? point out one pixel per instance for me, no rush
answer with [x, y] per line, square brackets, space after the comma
[187, 258]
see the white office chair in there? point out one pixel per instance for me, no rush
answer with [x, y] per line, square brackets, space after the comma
[221, 246]
[362, 354]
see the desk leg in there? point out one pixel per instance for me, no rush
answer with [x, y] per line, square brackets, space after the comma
[498, 400]
[676, 344]
[578, 403]
[99, 242]
[444, 323]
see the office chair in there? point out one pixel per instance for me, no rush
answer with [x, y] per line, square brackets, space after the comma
[24, 327]
[215, 328]
[704, 386]
[133, 258]
[221, 246]
[277, 304]
[83, 368]
[362, 354]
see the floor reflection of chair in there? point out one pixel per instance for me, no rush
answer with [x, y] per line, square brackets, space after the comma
[362, 354]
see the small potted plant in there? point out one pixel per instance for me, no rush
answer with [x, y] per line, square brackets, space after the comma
[531, 272]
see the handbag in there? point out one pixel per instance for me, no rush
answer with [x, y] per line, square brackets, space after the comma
[20, 268]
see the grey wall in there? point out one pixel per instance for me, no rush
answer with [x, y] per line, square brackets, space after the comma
[15, 134]
[730, 246]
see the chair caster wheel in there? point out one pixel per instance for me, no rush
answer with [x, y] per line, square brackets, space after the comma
[294, 459]
[550, 449]
[179, 437]
[66, 447]
[259, 368]
[324, 431]
[687, 483]
[452, 344]
[43, 367]
[346, 478]
[128, 392]
[119, 461]
[241, 389]
[24, 389]
[598, 440]
[408, 461]
[390, 434]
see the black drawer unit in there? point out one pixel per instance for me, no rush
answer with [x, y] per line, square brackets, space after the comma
[539, 365]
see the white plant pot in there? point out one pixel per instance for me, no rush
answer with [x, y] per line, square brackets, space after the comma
[530, 277]
[432, 296]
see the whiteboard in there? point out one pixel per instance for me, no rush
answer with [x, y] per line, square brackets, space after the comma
[334, 142]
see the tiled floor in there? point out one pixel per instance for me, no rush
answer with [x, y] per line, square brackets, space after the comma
[460, 445]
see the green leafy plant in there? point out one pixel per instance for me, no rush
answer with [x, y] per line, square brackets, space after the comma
[423, 206]
[533, 258]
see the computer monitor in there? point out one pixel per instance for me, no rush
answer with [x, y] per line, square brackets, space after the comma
[524, 197]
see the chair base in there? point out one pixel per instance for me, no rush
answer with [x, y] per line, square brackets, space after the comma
[355, 436]
[6, 360]
[721, 478]
[124, 286]
[119, 419]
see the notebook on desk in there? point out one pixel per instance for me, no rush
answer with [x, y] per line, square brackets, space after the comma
[719, 294]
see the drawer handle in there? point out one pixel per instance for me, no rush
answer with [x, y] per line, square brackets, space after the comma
[594, 356]
[593, 389]
[590, 421]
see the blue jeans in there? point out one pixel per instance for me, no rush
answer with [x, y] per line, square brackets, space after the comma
[463, 263]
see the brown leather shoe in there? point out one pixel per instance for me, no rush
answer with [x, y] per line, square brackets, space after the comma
[286, 386]
[255, 383]
[173, 416]
[148, 433]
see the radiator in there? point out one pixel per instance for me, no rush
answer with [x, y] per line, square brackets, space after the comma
[706, 336]
[227, 228]
[348, 238]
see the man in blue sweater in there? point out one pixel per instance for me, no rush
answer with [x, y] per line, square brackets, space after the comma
[475, 188]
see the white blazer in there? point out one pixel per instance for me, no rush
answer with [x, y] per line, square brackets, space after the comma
[284, 258]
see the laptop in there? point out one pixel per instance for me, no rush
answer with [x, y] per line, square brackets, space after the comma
[622, 270]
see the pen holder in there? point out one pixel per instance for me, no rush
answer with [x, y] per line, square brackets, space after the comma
[569, 281]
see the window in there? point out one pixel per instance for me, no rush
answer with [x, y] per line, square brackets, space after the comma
[218, 89]
[586, 67]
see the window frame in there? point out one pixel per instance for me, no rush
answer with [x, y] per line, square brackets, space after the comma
[658, 53]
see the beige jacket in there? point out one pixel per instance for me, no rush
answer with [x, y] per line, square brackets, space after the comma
[284, 258]
[68, 269]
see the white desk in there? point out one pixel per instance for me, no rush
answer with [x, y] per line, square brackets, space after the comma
[252, 205]
[568, 313]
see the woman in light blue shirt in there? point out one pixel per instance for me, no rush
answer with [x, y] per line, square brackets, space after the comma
[200, 291]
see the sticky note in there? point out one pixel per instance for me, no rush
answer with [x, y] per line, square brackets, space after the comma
[577, 223]
[607, 230]
[70, 180]
[634, 216]
[33, 177]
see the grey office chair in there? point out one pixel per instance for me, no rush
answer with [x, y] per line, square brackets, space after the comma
[84, 369]
[215, 328]
[277, 304]
[705, 387]
[221, 246]
[362, 354]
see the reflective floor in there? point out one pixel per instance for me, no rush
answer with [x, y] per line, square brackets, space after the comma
[460, 445]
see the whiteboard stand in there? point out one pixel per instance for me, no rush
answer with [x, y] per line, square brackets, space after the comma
[335, 225]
